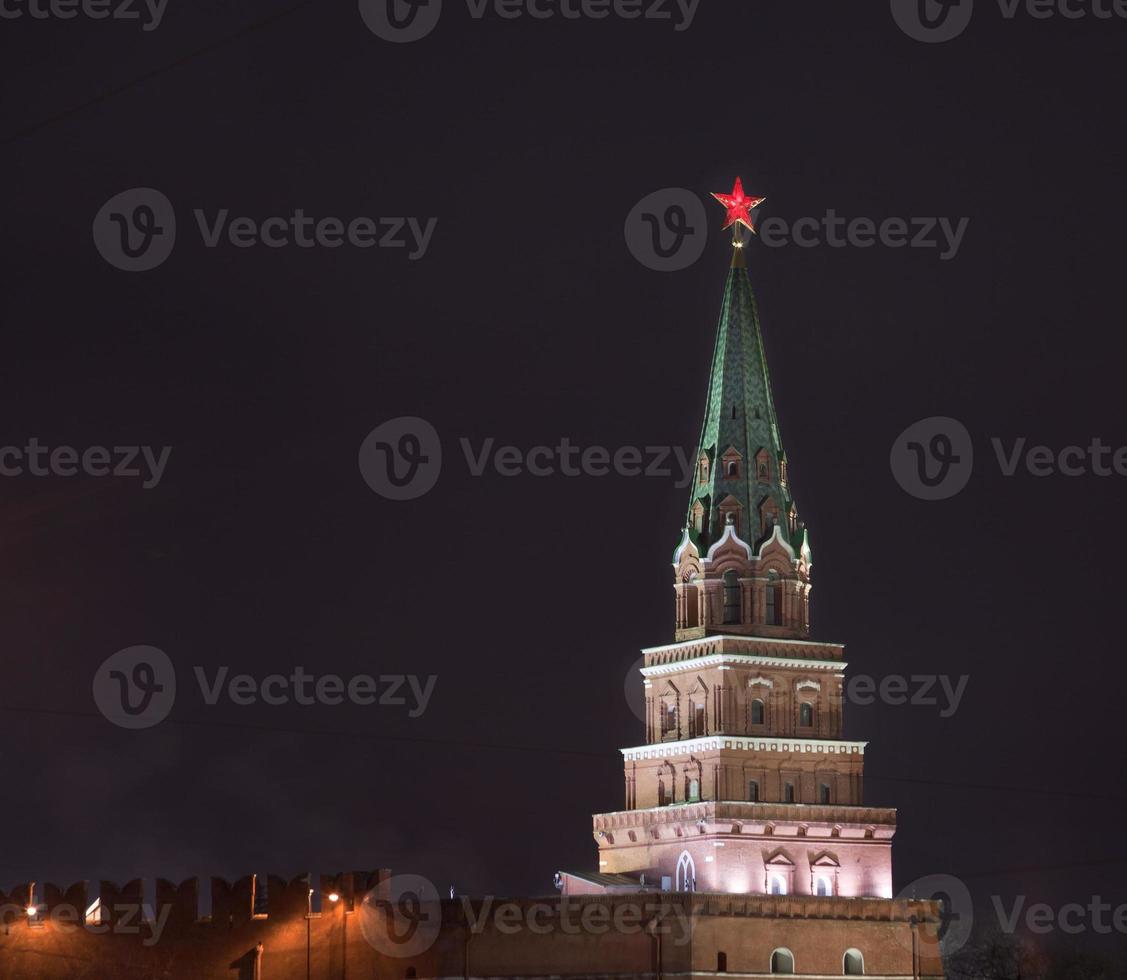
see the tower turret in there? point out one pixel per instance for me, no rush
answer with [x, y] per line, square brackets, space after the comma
[743, 563]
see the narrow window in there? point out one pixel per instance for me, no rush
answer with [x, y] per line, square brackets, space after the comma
[774, 601]
[757, 712]
[854, 965]
[697, 721]
[669, 718]
[788, 793]
[694, 790]
[782, 961]
[823, 793]
[259, 903]
[806, 714]
[731, 597]
[778, 885]
[753, 791]
[721, 956]
[733, 468]
[661, 800]
[822, 886]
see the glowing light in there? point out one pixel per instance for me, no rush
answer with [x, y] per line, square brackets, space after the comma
[334, 897]
[738, 206]
[31, 911]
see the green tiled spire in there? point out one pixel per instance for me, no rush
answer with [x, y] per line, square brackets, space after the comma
[746, 468]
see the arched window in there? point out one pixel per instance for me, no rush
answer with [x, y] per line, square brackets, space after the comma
[782, 961]
[694, 791]
[806, 714]
[732, 468]
[702, 472]
[777, 884]
[757, 712]
[686, 873]
[823, 793]
[731, 597]
[822, 886]
[854, 963]
[661, 798]
[788, 792]
[721, 962]
[753, 791]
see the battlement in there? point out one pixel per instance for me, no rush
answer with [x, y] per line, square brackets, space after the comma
[197, 900]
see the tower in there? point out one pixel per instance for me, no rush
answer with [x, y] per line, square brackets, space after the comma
[744, 783]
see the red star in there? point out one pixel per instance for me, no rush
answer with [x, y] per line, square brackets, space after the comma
[739, 206]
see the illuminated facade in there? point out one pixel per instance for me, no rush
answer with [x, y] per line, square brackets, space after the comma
[745, 783]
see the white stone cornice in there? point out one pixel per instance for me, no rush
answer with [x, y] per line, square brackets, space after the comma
[740, 659]
[756, 681]
[744, 743]
[805, 683]
[739, 637]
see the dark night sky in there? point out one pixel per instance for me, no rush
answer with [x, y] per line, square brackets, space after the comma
[529, 320]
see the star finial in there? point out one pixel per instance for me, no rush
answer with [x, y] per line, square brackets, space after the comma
[738, 206]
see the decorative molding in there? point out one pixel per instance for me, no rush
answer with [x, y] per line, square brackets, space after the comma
[806, 682]
[776, 536]
[747, 660]
[756, 681]
[743, 743]
[730, 535]
[685, 644]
